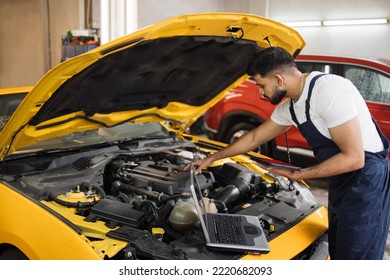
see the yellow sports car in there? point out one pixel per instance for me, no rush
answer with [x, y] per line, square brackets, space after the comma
[93, 158]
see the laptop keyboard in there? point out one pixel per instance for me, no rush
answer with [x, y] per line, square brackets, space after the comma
[228, 229]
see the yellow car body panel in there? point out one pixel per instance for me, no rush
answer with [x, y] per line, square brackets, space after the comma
[296, 238]
[6, 91]
[25, 230]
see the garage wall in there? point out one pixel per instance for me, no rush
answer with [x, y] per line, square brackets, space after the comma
[152, 11]
[366, 41]
[30, 32]
[22, 42]
[120, 17]
[63, 16]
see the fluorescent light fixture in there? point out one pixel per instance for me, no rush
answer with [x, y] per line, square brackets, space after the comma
[335, 22]
[355, 22]
[302, 23]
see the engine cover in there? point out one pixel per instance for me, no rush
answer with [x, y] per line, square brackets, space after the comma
[162, 178]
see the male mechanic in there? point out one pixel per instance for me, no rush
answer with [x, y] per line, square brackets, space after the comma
[349, 146]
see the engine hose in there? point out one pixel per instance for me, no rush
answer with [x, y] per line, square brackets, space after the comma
[123, 197]
[175, 196]
[228, 195]
[68, 204]
[118, 185]
[153, 209]
[165, 211]
[98, 189]
[239, 188]
[221, 206]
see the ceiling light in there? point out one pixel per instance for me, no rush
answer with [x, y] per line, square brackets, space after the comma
[355, 22]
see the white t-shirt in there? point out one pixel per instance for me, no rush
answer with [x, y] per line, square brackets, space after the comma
[334, 101]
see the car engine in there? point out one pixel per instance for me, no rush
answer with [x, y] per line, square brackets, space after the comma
[142, 195]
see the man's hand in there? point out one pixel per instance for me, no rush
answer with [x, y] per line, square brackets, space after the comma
[291, 174]
[200, 164]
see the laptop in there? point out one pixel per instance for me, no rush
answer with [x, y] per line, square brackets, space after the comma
[230, 232]
[275, 163]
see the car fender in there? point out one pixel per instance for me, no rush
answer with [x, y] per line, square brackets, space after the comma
[64, 241]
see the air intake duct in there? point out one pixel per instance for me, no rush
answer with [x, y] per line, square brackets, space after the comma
[238, 189]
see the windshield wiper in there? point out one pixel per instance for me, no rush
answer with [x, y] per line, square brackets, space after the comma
[43, 152]
[129, 140]
[106, 125]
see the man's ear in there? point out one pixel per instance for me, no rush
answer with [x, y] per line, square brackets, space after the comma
[279, 79]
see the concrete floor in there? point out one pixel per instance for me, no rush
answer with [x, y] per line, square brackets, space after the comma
[319, 189]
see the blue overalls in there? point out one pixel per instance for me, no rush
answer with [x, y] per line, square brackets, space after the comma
[358, 201]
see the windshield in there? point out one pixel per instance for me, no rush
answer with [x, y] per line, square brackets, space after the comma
[111, 135]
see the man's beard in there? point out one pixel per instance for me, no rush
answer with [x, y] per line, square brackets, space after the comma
[277, 97]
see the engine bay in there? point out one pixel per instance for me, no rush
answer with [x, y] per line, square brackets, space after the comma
[142, 195]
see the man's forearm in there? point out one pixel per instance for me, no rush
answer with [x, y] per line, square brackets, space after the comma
[242, 145]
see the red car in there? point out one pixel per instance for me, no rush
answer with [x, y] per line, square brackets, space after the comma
[243, 108]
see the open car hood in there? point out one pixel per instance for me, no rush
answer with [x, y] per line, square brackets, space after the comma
[171, 71]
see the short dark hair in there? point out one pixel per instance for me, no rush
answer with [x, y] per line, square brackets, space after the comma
[269, 59]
